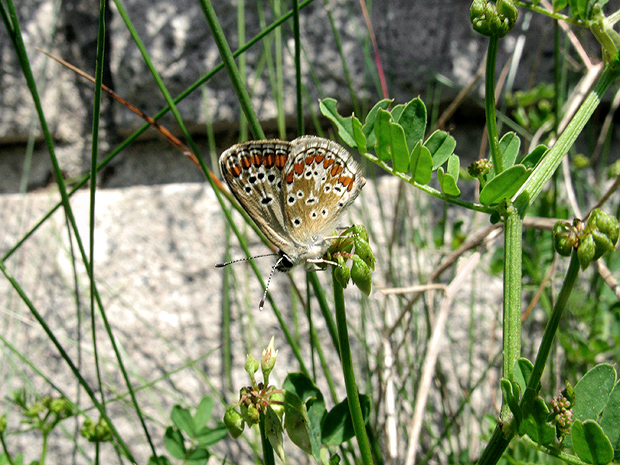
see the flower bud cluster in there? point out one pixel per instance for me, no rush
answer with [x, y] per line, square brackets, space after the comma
[255, 399]
[480, 168]
[562, 415]
[353, 244]
[591, 239]
[493, 19]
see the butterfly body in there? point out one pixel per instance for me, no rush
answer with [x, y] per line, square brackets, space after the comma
[294, 191]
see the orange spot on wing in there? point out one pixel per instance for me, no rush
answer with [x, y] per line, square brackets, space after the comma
[319, 158]
[269, 160]
[235, 170]
[281, 160]
[328, 162]
[299, 168]
[246, 162]
[289, 177]
[346, 182]
[309, 160]
[336, 170]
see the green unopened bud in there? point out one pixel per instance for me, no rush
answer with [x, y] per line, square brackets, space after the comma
[253, 415]
[96, 432]
[607, 224]
[360, 274]
[493, 19]
[357, 230]
[342, 272]
[251, 366]
[586, 251]
[363, 250]
[479, 168]
[268, 360]
[234, 422]
[564, 238]
[62, 408]
[603, 244]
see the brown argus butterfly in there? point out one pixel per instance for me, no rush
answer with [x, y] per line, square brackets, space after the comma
[294, 191]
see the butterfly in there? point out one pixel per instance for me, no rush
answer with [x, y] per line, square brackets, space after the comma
[294, 191]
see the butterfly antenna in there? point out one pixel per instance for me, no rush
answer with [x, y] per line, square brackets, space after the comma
[222, 265]
[273, 268]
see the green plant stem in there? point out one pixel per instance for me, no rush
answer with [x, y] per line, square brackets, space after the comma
[268, 457]
[489, 106]
[505, 431]
[513, 237]
[231, 67]
[6, 451]
[547, 166]
[554, 322]
[349, 375]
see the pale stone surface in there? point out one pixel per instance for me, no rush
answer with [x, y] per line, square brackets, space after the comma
[155, 251]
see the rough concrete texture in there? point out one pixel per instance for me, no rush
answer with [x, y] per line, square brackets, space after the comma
[420, 43]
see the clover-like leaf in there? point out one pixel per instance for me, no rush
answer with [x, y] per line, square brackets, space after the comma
[447, 183]
[183, 420]
[413, 120]
[440, 145]
[398, 147]
[296, 422]
[421, 164]
[504, 185]
[384, 138]
[369, 123]
[344, 125]
[337, 424]
[174, 442]
[590, 442]
[534, 422]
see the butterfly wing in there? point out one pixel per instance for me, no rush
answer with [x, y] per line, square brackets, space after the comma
[253, 171]
[320, 180]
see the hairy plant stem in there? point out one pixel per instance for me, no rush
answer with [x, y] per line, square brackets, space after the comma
[513, 245]
[349, 376]
[505, 430]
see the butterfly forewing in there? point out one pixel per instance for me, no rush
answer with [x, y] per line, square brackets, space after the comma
[253, 171]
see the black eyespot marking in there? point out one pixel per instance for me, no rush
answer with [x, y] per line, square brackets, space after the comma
[327, 188]
[291, 199]
[311, 200]
[300, 194]
[297, 221]
[252, 179]
[271, 178]
[314, 215]
[266, 200]
[325, 212]
[248, 190]
[261, 176]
